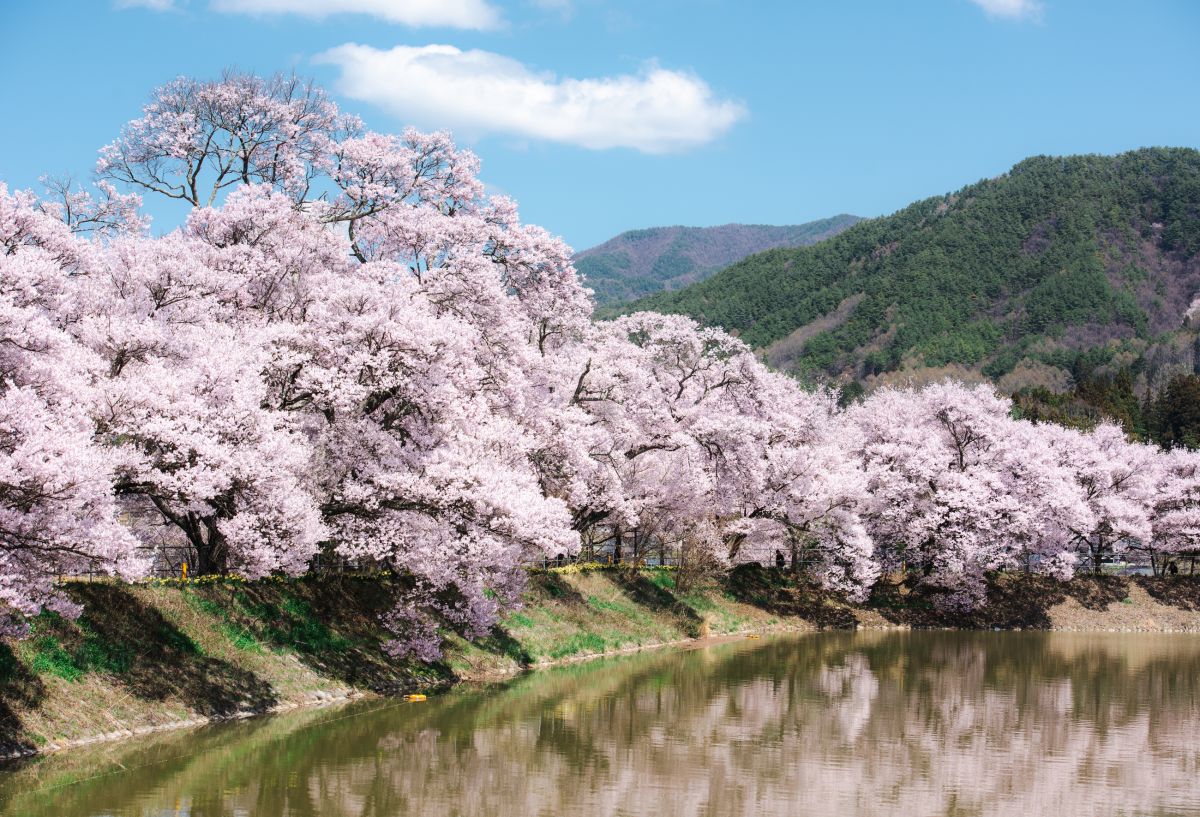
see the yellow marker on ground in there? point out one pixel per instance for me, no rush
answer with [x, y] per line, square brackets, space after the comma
[753, 635]
[185, 571]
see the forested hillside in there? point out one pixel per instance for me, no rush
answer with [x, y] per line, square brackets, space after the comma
[641, 262]
[1063, 267]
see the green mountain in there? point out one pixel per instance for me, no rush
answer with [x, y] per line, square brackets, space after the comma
[641, 262]
[1062, 269]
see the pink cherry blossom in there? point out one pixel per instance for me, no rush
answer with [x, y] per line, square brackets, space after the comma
[350, 348]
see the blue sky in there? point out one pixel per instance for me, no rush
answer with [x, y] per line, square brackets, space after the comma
[604, 116]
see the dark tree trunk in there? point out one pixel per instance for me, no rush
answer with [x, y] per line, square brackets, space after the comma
[204, 539]
[209, 550]
[1097, 552]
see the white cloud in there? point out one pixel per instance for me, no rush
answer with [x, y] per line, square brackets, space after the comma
[473, 14]
[1011, 9]
[656, 111]
[153, 5]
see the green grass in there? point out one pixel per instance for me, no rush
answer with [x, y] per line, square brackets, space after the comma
[596, 611]
[291, 624]
[579, 643]
[70, 650]
[147, 655]
[699, 602]
[144, 655]
[520, 620]
[662, 579]
[97, 654]
[181, 642]
[240, 638]
[203, 605]
[621, 607]
[48, 657]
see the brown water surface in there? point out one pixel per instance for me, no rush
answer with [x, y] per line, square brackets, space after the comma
[868, 723]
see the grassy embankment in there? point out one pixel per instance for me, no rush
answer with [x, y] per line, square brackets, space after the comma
[144, 658]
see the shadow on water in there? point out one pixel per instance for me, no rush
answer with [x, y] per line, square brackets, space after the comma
[269, 754]
[924, 718]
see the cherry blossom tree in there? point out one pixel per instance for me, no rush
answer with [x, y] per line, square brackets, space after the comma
[419, 471]
[350, 347]
[956, 489]
[409, 377]
[1117, 480]
[196, 139]
[58, 513]
[1176, 514]
[709, 451]
[814, 487]
[647, 380]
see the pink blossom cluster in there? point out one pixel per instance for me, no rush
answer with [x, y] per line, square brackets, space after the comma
[349, 348]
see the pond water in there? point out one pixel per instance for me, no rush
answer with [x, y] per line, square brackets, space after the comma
[867, 723]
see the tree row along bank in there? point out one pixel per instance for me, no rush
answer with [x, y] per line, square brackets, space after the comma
[350, 353]
[150, 657]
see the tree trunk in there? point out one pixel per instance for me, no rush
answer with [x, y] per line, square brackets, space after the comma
[206, 545]
[209, 553]
[1096, 551]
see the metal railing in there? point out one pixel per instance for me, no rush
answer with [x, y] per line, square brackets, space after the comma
[166, 561]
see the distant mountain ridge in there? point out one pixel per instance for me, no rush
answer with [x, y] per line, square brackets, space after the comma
[1062, 266]
[641, 262]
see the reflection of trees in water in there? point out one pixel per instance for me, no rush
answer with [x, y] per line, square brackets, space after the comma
[924, 723]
